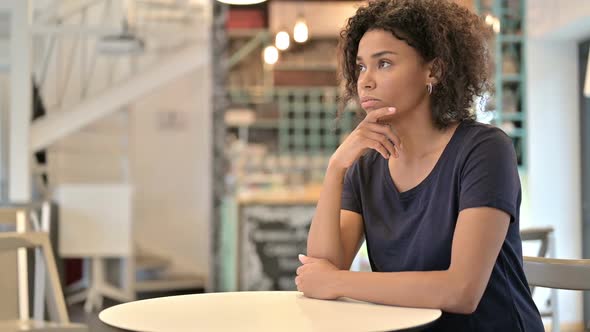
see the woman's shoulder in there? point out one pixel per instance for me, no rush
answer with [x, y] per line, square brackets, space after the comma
[485, 145]
[479, 135]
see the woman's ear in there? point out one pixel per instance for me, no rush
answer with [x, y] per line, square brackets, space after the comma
[435, 71]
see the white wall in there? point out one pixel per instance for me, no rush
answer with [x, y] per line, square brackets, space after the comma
[558, 19]
[171, 171]
[554, 175]
[554, 152]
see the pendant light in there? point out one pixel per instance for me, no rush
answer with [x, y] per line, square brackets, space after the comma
[282, 40]
[270, 55]
[300, 31]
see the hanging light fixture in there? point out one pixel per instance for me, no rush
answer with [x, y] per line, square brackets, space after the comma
[271, 55]
[496, 26]
[282, 40]
[127, 42]
[241, 2]
[300, 31]
[493, 21]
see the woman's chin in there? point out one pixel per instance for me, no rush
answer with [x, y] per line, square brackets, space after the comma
[370, 109]
[387, 118]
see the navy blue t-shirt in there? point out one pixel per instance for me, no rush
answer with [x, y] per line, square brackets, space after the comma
[413, 230]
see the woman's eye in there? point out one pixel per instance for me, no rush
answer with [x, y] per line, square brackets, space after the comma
[360, 67]
[384, 64]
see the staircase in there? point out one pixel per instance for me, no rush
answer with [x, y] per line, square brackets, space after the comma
[85, 95]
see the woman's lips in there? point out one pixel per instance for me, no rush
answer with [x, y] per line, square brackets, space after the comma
[370, 103]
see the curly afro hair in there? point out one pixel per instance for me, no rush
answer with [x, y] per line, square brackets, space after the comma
[439, 30]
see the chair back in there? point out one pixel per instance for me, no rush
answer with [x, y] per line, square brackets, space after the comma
[572, 274]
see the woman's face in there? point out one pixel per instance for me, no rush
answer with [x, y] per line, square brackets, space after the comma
[390, 73]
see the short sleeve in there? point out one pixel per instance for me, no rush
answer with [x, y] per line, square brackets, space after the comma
[350, 197]
[489, 177]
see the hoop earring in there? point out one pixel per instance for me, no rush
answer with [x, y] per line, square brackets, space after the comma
[429, 87]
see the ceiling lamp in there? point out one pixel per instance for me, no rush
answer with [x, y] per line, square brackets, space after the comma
[494, 22]
[300, 31]
[127, 42]
[271, 55]
[241, 2]
[282, 40]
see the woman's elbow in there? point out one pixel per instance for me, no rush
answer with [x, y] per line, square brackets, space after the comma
[465, 307]
[463, 300]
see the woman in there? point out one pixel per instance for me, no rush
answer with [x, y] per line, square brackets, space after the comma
[435, 194]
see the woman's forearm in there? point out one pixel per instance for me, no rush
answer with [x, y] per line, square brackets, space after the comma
[324, 239]
[430, 289]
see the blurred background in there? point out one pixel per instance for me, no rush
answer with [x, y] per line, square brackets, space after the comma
[178, 146]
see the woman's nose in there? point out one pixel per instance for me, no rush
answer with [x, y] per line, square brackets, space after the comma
[367, 82]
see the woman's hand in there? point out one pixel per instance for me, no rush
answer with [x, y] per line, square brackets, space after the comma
[315, 278]
[369, 134]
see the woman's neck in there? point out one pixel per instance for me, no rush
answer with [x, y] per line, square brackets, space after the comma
[419, 135]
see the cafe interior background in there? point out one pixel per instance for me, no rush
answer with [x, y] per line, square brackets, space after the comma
[178, 146]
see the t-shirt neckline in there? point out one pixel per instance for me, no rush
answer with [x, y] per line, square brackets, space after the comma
[413, 191]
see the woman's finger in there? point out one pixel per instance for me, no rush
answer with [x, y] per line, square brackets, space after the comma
[375, 145]
[384, 140]
[384, 130]
[375, 115]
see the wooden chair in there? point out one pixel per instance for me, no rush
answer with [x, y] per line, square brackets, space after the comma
[545, 236]
[57, 309]
[572, 274]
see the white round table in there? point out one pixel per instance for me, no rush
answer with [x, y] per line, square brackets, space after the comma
[263, 311]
